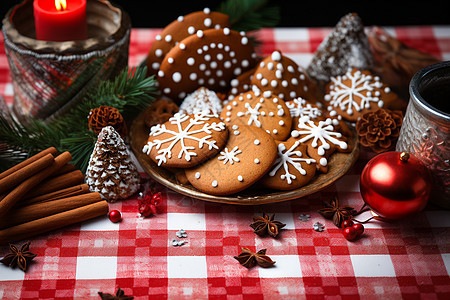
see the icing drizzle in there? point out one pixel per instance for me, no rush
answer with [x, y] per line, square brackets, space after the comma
[362, 90]
[292, 157]
[323, 132]
[182, 134]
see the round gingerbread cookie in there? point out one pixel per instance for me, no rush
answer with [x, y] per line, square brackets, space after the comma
[357, 92]
[281, 75]
[293, 167]
[210, 58]
[248, 154]
[322, 140]
[178, 30]
[186, 140]
[200, 100]
[260, 109]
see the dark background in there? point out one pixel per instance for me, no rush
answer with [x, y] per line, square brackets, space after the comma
[300, 13]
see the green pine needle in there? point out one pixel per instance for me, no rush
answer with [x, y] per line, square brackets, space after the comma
[250, 15]
[130, 92]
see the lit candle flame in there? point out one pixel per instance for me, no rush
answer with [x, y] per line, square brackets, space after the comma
[60, 4]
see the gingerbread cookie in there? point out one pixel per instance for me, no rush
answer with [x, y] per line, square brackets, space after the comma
[248, 154]
[210, 58]
[322, 140]
[260, 109]
[300, 109]
[240, 85]
[178, 30]
[160, 112]
[283, 77]
[293, 167]
[345, 47]
[200, 100]
[357, 92]
[186, 140]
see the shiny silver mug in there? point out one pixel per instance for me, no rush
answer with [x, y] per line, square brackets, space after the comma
[425, 132]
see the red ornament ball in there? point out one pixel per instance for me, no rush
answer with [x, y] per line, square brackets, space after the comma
[395, 185]
[115, 216]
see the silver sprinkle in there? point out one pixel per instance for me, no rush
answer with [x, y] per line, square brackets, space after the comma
[304, 217]
[181, 233]
[319, 227]
[177, 243]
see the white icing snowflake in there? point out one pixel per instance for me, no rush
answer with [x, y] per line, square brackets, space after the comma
[290, 157]
[323, 132]
[182, 134]
[300, 108]
[230, 156]
[253, 112]
[361, 87]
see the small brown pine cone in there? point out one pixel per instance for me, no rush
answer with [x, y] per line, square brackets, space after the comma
[379, 130]
[107, 116]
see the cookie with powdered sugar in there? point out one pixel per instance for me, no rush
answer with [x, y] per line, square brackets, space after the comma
[202, 99]
[178, 30]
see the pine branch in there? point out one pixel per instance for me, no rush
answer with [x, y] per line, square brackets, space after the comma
[130, 92]
[250, 15]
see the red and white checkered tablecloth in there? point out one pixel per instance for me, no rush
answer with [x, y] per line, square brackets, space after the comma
[409, 259]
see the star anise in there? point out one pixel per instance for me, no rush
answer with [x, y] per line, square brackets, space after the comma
[18, 257]
[120, 295]
[266, 224]
[249, 259]
[337, 213]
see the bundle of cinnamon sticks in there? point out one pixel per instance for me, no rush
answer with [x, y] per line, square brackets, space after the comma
[44, 193]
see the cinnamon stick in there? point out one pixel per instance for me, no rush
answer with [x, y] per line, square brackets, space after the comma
[64, 193]
[40, 210]
[51, 150]
[9, 182]
[57, 183]
[22, 189]
[65, 169]
[53, 222]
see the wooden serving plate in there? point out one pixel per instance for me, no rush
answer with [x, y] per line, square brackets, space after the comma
[339, 164]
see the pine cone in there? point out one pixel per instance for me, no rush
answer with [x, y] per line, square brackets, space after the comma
[111, 171]
[379, 130]
[107, 116]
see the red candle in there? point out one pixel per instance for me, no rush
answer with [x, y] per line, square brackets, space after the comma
[56, 21]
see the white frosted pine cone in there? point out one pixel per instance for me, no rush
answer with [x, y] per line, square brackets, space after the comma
[111, 171]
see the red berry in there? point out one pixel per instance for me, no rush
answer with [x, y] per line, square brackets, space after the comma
[145, 210]
[156, 198]
[359, 228]
[115, 216]
[346, 223]
[153, 209]
[350, 233]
